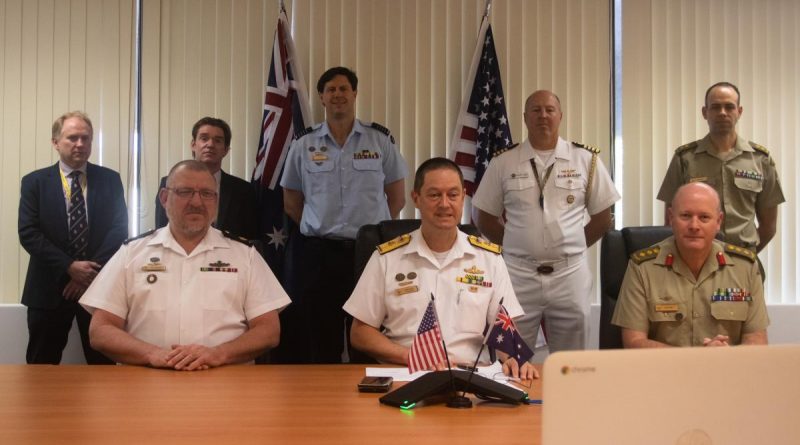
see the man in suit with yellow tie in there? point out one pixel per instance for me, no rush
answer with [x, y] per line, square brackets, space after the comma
[72, 219]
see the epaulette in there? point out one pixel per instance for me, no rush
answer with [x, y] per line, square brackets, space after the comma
[648, 253]
[383, 130]
[502, 150]
[740, 251]
[393, 244]
[592, 149]
[485, 245]
[141, 235]
[234, 237]
[759, 147]
[303, 132]
[685, 147]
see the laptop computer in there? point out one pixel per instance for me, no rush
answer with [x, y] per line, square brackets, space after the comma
[698, 396]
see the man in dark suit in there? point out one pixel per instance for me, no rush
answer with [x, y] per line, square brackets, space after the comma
[211, 142]
[72, 219]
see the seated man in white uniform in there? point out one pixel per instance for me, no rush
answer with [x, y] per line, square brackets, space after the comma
[185, 296]
[466, 275]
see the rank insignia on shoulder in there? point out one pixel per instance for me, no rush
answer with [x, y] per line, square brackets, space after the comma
[383, 130]
[485, 245]
[685, 147]
[391, 245]
[237, 238]
[759, 147]
[592, 149]
[303, 132]
[500, 150]
[643, 255]
[140, 236]
[740, 251]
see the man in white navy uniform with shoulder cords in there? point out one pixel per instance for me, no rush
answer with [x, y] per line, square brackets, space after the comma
[544, 188]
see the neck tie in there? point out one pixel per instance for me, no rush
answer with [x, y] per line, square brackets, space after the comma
[78, 223]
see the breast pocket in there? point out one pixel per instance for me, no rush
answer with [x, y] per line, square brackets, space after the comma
[519, 191]
[569, 192]
[154, 291]
[472, 309]
[666, 312]
[747, 184]
[729, 310]
[221, 291]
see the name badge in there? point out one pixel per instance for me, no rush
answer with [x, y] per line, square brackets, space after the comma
[666, 308]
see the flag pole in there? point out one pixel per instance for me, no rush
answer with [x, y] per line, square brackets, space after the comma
[483, 345]
[487, 10]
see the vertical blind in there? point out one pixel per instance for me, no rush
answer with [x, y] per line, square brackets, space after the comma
[209, 57]
[57, 56]
[672, 52]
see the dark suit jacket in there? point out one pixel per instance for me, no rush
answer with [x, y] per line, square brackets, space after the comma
[237, 207]
[43, 228]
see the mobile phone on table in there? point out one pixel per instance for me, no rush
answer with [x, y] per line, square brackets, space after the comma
[375, 384]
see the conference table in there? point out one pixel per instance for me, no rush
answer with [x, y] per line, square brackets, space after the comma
[45, 404]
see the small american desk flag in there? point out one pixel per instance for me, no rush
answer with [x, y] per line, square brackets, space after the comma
[426, 349]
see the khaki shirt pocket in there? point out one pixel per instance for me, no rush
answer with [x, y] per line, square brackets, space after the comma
[729, 310]
[666, 312]
[752, 185]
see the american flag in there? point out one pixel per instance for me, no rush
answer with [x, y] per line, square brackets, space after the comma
[426, 349]
[482, 126]
[504, 337]
[286, 112]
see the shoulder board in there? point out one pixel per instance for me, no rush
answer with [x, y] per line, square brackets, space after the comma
[380, 128]
[391, 245]
[759, 147]
[238, 238]
[645, 254]
[685, 147]
[733, 249]
[303, 132]
[485, 245]
[501, 150]
[141, 235]
[592, 149]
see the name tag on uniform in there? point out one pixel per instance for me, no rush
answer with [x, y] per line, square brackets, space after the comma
[666, 308]
[406, 290]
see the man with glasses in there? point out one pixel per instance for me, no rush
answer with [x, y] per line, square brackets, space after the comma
[186, 296]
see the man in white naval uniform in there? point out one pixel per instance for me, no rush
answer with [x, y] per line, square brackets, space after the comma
[185, 296]
[543, 190]
[466, 275]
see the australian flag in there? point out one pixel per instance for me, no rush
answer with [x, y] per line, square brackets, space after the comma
[286, 112]
[482, 126]
[503, 336]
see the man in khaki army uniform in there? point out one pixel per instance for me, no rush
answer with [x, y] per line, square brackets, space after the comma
[690, 289]
[742, 173]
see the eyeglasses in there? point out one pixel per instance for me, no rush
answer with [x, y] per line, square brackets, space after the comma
[187, 193]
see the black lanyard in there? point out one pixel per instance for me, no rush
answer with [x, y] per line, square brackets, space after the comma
[541, 182]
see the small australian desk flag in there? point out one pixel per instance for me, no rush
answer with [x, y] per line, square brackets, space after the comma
[503, 336]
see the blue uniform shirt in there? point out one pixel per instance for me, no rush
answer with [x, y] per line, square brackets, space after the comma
[343, 187]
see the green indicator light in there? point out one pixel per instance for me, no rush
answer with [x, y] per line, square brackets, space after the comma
[405, 406]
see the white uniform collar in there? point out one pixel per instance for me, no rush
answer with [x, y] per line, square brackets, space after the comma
[418, 246]
[527, 152]
[213, 240]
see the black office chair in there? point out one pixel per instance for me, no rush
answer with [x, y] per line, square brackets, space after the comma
[615, 250]
[368, 238]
